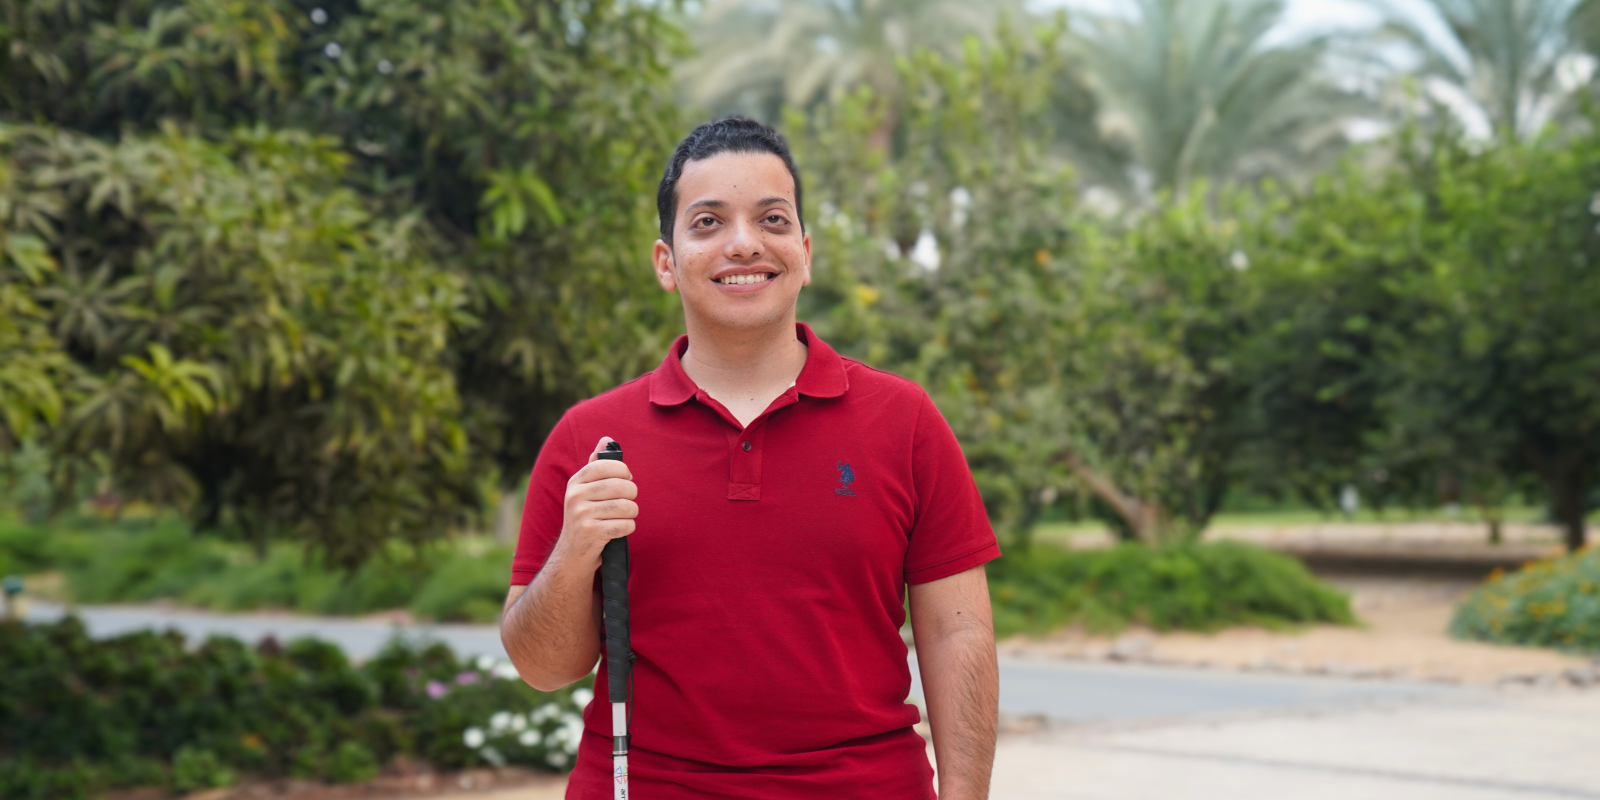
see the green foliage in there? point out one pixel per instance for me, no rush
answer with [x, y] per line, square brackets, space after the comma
[194, 769]
[1199, 90]
[1551, 603]
[1502, 59]
[310, 276]
[78, 717]
[1062, 353]
[759, 56]
[144, 560]
[468, 585]
[1184, 586]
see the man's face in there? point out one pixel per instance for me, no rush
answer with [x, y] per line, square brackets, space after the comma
[738, 255]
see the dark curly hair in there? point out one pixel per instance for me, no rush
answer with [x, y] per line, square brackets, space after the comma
[730, 135]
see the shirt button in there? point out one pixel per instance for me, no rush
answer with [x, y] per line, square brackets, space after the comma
[746, 447]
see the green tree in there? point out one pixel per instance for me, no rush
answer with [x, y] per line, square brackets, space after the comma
[1507, 361]
[1515, 64]
[401, 216]
[1063, 356]
[1196, 89]
[757, 56]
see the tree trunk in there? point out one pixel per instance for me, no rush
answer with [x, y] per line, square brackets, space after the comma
[1143, 518]
[1567, 493]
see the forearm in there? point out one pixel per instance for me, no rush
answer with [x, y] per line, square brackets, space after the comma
[954, 630]
[961, 687]
[551, 630]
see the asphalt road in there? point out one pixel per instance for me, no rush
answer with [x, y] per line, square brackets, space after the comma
[1063, 691]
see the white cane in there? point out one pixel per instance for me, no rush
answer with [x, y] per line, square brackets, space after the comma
[619, 654]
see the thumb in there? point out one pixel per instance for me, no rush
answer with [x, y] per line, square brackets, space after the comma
[599, 448]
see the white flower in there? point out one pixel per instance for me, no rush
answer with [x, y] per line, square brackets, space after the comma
[1239, 260]
[548, 711]
[529, 739]
[492, 756]
[582, 697]
[333, 50]
[505, 671]
[519, 722]
[556, 759]
[472, 738]
[500, 721]
[485, 663]
[572, 731]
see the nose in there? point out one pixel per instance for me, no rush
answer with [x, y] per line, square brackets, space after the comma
[745, 242]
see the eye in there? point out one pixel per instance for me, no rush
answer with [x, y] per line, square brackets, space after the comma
[704, 222]
[774, 219]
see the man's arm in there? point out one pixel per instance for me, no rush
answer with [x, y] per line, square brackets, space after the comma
[551, 627]
[954, 632]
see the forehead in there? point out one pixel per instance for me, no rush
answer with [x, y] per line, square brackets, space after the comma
[734, 178]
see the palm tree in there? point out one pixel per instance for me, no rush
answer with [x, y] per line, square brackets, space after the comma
[1195, 89]
[1511, 64]
[756, 55]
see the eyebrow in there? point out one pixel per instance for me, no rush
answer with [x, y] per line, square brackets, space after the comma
[718, 204]
[705, 204]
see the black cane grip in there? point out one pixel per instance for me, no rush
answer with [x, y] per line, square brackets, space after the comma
[614, 603]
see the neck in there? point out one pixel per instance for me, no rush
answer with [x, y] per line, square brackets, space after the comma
[751, 363]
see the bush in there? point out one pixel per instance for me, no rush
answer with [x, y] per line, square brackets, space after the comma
[79, 716]
[1188, 586]
[466, 588]
[1552, 603]
[138, 561]
[194, 769]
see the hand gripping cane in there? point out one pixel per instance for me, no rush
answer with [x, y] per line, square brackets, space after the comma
[619, 654]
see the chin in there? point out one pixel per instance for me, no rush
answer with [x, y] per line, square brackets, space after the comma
[746, 318]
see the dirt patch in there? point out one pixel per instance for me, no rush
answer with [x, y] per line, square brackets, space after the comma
[1403, 635]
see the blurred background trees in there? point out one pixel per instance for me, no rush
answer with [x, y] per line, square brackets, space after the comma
[330, 270]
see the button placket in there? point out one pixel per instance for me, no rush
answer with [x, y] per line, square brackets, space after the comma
[744, 461]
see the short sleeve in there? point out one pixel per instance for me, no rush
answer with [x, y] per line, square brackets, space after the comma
[558, 460]
[951, 533]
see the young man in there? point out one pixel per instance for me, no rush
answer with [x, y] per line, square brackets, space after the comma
[779, 501]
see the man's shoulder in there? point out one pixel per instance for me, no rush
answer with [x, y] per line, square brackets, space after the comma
[629, 396]
[869, 380]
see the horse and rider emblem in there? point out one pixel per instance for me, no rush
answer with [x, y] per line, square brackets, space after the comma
[847, 476]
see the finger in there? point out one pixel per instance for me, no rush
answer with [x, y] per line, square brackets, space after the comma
[609, 489]
[600, 470]
[599, 448]
[608, 510]
[616, 529]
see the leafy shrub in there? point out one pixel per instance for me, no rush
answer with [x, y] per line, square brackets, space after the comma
[467, 587]
[1551, 603]
[138, 561]
[194, 769]
[1189, 586]
[79, 716]
[23, 549]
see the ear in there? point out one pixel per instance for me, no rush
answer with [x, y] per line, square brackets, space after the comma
[805, 273]
[661, 255]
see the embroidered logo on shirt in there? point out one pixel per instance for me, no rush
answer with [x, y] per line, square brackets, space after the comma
[847, 476]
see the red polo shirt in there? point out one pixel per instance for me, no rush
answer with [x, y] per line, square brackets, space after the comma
[769, 567]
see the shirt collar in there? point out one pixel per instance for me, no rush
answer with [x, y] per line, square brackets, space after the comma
[822, 376]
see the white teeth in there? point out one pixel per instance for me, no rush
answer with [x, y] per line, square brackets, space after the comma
[735, 280]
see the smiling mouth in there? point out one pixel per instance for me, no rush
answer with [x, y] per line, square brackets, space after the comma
[736, 280]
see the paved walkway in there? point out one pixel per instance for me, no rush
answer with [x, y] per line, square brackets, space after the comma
[1495, 746]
